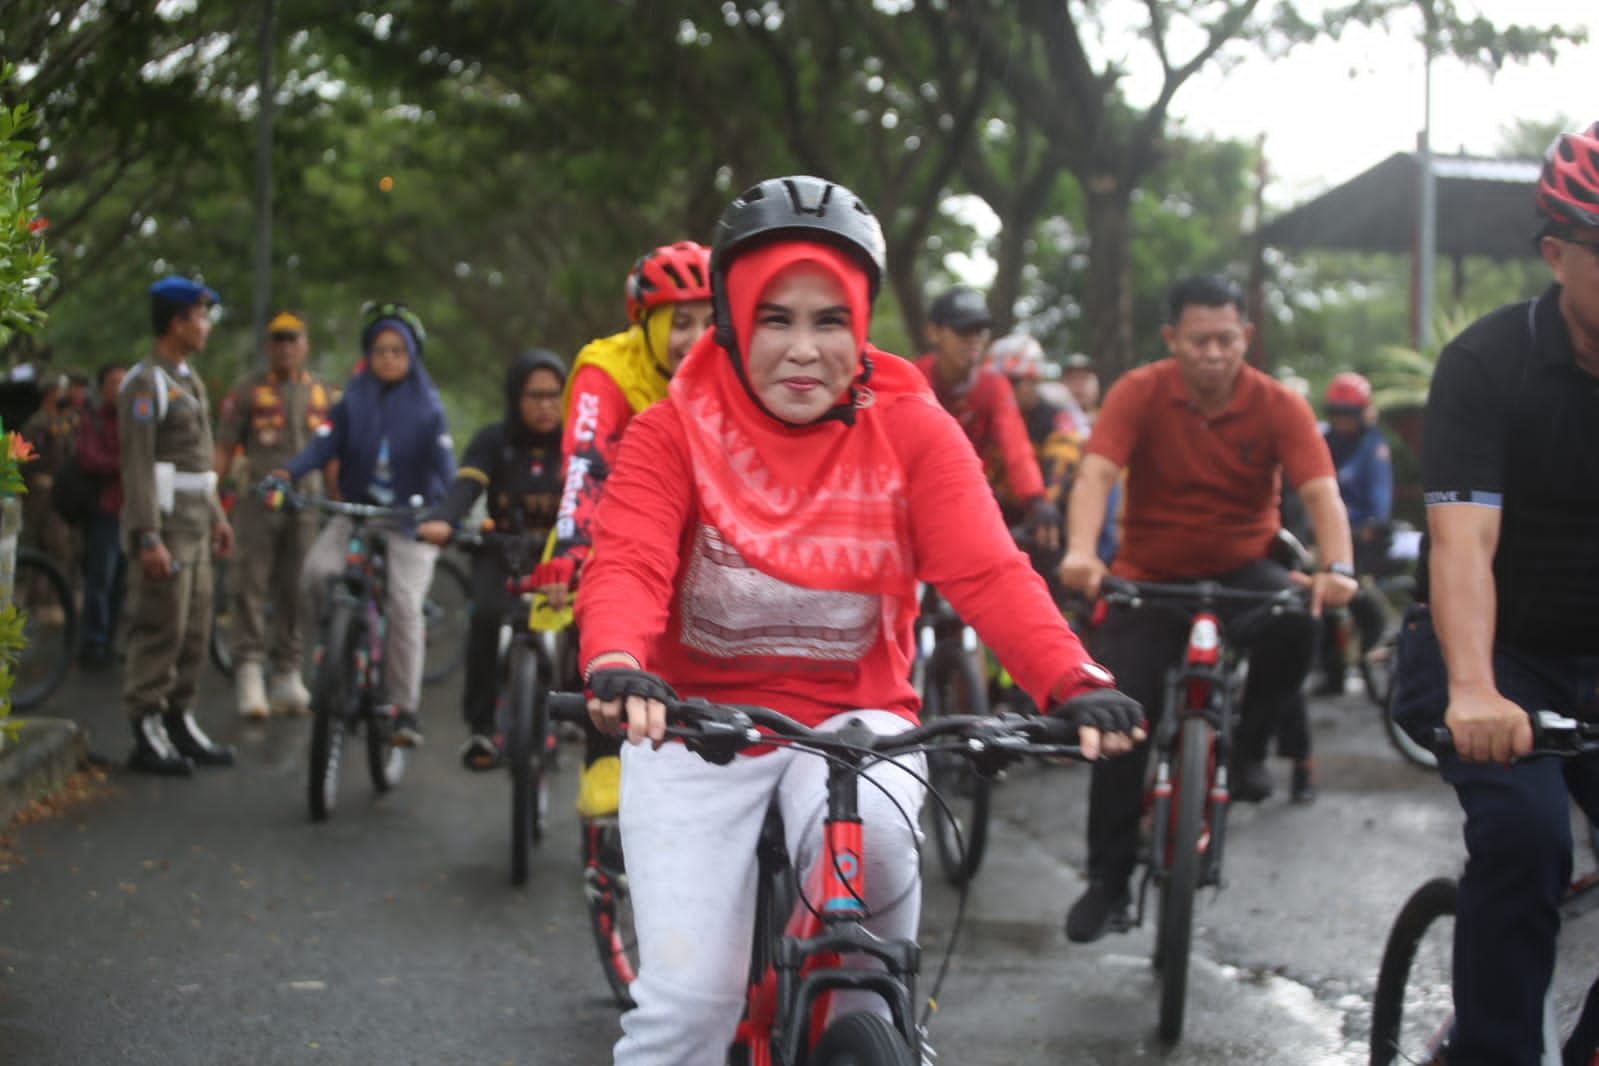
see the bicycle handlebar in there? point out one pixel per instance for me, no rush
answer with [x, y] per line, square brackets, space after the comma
[299, 501]
[1199, 593]
[712, 730]
[476, 540]
[1554, 735]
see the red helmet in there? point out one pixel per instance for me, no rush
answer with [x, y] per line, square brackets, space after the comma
[670, 274]
[1017, 356]
[1348, 391]
[1568, 189]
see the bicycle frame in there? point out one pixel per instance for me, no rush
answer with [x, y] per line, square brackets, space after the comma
[790, 994]
[362, 585]
[1200, 688]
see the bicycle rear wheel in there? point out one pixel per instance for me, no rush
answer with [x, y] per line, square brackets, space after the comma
[1175, 925]
[1413, 1011]
[446, 619]
[525, 751]
[1377, 671]
[861, 1040]
[50, 626]
[385, 762]
[332, 700]
[610, 906]
[960, 822]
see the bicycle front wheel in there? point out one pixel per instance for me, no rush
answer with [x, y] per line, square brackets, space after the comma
[960, 821]
[446, 619]
[332, 698]
[861, 1040]
[50, 627]
[525, 730]
[610, 906]
[1175, 926]
[1412, 1013]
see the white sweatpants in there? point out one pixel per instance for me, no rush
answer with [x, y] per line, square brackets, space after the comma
[688, 833]
[410, 572]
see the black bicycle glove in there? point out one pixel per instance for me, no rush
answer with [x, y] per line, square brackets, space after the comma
[619, 682]
[1043, 515]
[1104, 709]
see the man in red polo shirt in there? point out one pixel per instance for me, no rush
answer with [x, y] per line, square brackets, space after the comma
[1202, 437]
[982, 401]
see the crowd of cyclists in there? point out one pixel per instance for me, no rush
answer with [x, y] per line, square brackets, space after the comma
[739, 495]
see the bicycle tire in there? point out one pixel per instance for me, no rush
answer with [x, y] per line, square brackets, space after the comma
[610, 906]
[41, 591]
[221, 645]
[1175, 926]
[1377, 672]
[330, 702]
[385, 763]
[861, 1039]
[960, 829]
[1413, 751]
[446, 619]
[524, 750]
[1408, 1023]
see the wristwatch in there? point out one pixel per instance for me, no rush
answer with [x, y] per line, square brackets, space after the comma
[1342, 570]
[150, 538]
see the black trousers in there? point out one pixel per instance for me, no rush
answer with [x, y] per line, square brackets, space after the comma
[1139, 646]
[490, 601]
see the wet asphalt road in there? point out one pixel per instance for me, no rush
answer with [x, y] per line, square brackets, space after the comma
[208, 921]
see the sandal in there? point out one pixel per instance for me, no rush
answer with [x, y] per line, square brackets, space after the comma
[480, 753]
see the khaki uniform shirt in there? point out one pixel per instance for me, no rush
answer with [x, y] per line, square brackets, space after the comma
[51, 435]
[272, 419]
[163, 416]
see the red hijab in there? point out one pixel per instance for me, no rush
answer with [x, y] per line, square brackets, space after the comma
[820, 505]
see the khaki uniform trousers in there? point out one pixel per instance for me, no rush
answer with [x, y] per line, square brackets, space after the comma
[169, 628]
[269, 550]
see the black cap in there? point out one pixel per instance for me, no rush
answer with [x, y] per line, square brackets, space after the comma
[961, 309]
[1077, 361]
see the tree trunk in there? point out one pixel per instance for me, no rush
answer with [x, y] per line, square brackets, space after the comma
[1108, 301]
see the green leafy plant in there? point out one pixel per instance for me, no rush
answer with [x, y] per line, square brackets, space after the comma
[25, 271]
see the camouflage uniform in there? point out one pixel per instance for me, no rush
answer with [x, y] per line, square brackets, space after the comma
[271, 420]
[164, 420]
[51, 435]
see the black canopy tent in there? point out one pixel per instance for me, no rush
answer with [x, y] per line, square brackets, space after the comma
[1484, 208]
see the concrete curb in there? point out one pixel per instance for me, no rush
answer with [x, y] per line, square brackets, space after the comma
[37, 761]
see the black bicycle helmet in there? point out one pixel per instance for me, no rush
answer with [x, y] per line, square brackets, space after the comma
[1568, 189]
[798, 206]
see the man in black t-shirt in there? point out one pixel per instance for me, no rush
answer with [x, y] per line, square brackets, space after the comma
[1510, 466]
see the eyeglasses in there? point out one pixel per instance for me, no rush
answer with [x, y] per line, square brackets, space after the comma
[283, 338]
[543, 395]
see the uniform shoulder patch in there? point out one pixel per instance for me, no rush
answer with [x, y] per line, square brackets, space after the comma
[143, 409]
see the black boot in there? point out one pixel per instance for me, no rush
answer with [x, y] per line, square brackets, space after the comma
[153, 752]
[189, 741]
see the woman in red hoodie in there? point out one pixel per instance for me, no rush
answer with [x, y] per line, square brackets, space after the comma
[759, 542]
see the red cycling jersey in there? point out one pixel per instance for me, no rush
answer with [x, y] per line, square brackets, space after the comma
[597, 413]
[987, 411]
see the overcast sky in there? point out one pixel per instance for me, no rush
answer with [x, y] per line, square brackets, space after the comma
[1331, 110]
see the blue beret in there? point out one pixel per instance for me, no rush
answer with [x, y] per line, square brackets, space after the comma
[183, 291]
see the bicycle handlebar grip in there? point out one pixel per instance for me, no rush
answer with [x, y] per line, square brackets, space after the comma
[568, 706]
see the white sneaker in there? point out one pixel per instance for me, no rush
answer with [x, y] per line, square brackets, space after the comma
[289, 695]
[251, 691]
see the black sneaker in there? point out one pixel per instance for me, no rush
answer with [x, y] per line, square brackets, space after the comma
[407, 730]
[480, 753]
[1252, 783]
[153, 752]
[1302, 788]
[191, 742]
[1100, 909]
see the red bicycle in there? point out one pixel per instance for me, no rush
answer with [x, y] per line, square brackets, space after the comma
[1187, 795]
[804, 932]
